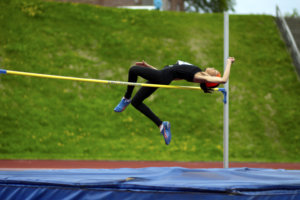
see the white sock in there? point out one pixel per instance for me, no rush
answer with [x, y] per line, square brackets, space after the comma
[161, 127]
[127, 100]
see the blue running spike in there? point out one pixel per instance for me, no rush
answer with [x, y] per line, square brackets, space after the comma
[122, 105]
[166, 132]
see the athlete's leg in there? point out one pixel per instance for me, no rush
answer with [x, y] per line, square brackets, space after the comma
[135, 71]
[153, 76]
[149, 74]
[137, 102]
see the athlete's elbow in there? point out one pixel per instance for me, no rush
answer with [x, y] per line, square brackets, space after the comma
[223, 81]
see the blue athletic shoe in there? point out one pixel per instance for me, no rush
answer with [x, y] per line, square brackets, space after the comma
[166, 132]
[122, 105]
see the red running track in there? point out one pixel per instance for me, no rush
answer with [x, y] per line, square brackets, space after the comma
[95, 164]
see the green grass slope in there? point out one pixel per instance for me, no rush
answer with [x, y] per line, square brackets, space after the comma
[57, 119]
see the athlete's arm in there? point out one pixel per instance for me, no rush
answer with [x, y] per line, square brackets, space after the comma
[226, 74]
[204, 77]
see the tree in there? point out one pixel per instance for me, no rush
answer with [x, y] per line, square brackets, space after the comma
[294, 14]
[209, 6]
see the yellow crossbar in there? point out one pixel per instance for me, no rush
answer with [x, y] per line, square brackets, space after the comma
[98, 80]
[3, 71]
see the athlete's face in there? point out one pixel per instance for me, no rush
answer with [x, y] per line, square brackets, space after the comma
[212, 71]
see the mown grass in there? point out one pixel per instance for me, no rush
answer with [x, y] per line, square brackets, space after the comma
[56, 119]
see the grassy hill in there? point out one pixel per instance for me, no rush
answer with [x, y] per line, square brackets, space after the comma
[56, 119]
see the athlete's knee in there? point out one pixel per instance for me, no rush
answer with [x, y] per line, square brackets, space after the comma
[133, 69]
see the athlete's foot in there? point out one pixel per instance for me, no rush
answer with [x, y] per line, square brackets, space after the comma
[166, 132]
[122, 105]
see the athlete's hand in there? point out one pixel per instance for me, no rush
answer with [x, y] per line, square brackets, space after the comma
[143, 64]
[231, 59]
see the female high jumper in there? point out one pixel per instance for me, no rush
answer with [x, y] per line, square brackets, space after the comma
[208, 79]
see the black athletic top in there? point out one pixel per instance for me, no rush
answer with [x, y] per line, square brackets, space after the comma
[182, 70]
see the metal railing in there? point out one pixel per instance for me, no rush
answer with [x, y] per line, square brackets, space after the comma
[285, 30]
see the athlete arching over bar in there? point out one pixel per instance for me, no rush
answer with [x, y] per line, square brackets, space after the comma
[208, 79]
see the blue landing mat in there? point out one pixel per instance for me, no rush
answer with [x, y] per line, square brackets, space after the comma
[151, 183]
